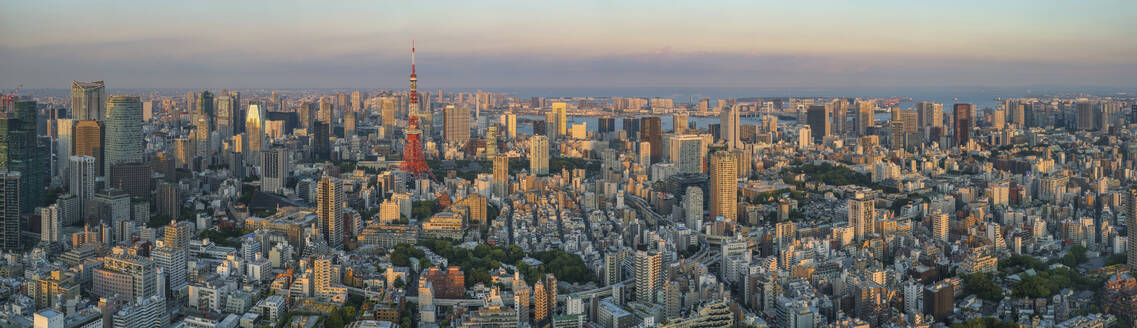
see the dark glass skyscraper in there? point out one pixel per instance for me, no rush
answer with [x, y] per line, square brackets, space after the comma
[961, 120]
[652, 132]
[21, 152]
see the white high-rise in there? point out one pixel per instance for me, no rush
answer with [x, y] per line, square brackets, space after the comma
[693, 206]
[687, 153]
[729, 127]
[539, 155]
[63, 141]
[81, 175]
[49, 224]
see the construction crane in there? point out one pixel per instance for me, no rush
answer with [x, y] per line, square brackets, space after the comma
[10, 97]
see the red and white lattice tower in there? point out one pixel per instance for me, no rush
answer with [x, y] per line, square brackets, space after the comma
[414, 164]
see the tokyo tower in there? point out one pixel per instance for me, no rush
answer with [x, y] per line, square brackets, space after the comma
[414, 163]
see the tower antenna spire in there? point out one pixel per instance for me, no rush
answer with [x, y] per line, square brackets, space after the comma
[412, 56]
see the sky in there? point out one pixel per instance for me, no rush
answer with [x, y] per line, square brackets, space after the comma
[569, 44]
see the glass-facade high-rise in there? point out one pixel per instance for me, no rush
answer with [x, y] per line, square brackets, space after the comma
[88, 100]
[21, 152]
[124, 132]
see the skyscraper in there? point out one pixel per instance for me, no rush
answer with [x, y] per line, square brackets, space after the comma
[20, 151]
[861, 216]
[275, 169]
[501, 175]
[49, 224]
[729, 127]
[647, 267]
[961, 117]
[124, 131]
[940, 226]
[818, 119]
[82, 178]
[652, 132]
[679, 123]
[560, 110]
[254, 127]
[687, 153]
[63, 142]
[840, 109]
[87, 100]
[329, 209]
[511, 125]
[864, 117]
[539, 155]
[87, 140]
[10, 211]
[930, 114]
[456, 125]
[724, 186]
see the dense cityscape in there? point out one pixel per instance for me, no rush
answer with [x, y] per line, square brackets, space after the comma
[568, 164]
[409, 208]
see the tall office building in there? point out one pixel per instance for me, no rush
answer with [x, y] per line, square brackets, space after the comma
[20, 151]
[647, 266]
[724, 186]
[539, 155]
[652, 132]
[840, 110]
[511, 125]
[124, 131]
[687, 153]
[864, 117]
[255, 128]
[87, 140]
[227, 107]
[679, 123]
[693, 207]
[349, 122]
[87, 100]
[1085, 115]
[329, 209]
[177, 234]
[961, 120]
[560, 110]
[10, 211]
[456, 125]
[49, 224]
[729, 127]
[275, 169]
[818, 119]
[930, 114]
[356, 101]
[82, 178]
[862, 216]
[1131, 216]
[501, 176]
[63, 141]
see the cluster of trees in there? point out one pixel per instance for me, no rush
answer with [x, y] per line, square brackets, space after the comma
[833, 175]
[227, 236]
[983, 286]
[1046, 281]
[423, 209]
[346, 314]
[478, 262]
[988, 322]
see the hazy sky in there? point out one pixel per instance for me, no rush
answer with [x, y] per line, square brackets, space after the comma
[508, 44]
